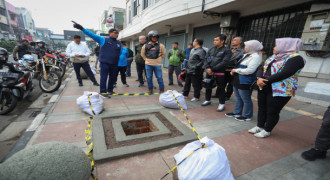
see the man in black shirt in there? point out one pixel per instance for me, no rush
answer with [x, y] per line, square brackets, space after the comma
[216, 62]
[21, 50]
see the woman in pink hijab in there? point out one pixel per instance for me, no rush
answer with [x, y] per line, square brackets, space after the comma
[277, 81]
[244, 75]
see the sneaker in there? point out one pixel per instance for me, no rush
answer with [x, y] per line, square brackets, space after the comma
[181, 85]
[206, 103]
[221, 108]
[170, 84]
[313, 154]
[194, 99]
[140, 85]
[262, 134]
[232, 115]
[96, 84]
[255, 130]
[80, 84]
[242, 118]
[105, 95]
[111, 93]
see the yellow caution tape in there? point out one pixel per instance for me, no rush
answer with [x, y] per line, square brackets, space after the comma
[88, 139]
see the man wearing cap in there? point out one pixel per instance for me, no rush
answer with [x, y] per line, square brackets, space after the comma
[110, 50]
[21, 50]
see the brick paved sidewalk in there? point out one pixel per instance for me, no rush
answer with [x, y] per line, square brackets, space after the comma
[276, 157]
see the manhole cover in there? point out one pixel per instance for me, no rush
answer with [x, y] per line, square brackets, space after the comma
[131, 133]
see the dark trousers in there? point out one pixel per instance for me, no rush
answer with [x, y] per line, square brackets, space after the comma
[220, 81]
[128, 69]
[86, 68]
[122, 71]
[177, 70]
[140, 68]
[322, 141]
[269, 108]
[108, 71]
[195, 81]
[229, 82]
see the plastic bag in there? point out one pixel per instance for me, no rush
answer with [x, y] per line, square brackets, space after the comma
[167, 100]
[93, 68]
[96, 102]
[209, 163]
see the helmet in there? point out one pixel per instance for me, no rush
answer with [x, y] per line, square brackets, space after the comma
[28, 60]
[208, 83]
[182, 76]
[3, 55]
[40, 43]
[152, 34]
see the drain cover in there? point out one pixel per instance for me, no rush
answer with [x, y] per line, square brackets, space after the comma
[131, 133]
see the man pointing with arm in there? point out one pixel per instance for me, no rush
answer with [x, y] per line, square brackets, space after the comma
[110, 50]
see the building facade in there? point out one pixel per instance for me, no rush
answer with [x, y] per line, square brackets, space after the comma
[4, 25]
[13, 22]
[113, 18]
[25, 19]
[264, 20]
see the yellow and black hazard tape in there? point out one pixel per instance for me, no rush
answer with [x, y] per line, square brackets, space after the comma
[89, 141]
[134, 94]
[193, 128]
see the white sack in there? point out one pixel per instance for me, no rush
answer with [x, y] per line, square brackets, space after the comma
[209, 163]
[96, 101]
[93, 68]
[167, 100]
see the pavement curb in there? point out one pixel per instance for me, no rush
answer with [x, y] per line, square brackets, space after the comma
[312, 101]
[37, 121]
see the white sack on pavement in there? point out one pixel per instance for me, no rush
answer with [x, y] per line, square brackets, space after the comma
[167, 100]
[96, 101]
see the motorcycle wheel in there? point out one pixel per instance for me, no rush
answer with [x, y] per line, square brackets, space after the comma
[63, 70]
[8, 103]
[53, 82]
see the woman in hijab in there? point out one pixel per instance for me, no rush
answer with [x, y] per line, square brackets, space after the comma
[244, 75]
[277, 82]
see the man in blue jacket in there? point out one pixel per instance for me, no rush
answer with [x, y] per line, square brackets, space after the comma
[110, 50]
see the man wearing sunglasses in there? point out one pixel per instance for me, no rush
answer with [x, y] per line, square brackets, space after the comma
[110, 50]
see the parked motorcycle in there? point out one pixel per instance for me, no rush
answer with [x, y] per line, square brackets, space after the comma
[47, 74]
[14, 84]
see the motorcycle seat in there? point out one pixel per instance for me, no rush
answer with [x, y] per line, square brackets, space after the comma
[50, 55]
[26, 73]
[63, 55]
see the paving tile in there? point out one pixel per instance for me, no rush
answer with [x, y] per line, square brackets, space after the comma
[66, 132]
[69, 92]
[141, 100]
[111, 103]
[64, 106]
[146, 166]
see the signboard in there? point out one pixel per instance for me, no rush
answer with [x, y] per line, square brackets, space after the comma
[57, 36]
[29, 38]
[68, 35]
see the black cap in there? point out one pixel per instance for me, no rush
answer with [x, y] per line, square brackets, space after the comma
[112, 30]
[76, 37]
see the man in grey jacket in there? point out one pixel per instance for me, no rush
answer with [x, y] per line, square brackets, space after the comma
[194, 70]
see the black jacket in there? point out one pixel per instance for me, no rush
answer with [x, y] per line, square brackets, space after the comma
[196, 61]
[236, 55]
[217, 59]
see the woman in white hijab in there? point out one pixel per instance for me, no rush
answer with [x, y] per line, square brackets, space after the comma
[244, 75]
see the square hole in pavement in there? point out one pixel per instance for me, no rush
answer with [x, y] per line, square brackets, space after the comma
[139, 126]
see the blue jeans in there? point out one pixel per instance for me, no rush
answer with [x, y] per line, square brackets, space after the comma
[128, 70]
[243, 99]
[185, 63]
[158, 73]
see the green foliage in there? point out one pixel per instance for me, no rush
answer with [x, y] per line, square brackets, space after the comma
[9, 45]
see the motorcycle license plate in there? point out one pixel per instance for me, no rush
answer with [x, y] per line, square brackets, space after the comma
[9, 74]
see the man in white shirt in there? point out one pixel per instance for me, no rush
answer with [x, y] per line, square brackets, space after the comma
[79, 54]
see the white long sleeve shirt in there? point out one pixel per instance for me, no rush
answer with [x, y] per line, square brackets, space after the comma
[80, 49]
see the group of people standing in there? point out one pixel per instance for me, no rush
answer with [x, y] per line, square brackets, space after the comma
[238, 70]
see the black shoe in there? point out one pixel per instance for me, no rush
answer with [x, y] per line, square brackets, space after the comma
[140, 85]
[80, 84]
[170, 84]
[242, 118]
[227, 98]
[206, 103]
[232, 115]
[214, 96]
[181, 85]
[105, 95]
[313, 154]
[96, 84]
[111, 93]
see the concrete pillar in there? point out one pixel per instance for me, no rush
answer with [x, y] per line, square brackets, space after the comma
[189, 33]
